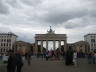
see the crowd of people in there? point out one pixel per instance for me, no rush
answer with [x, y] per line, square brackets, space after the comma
[15, 61]
[71, 57]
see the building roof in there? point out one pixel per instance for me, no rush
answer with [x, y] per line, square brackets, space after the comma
[89, 34]
[22, 42]
[81, 42]
[9, 33]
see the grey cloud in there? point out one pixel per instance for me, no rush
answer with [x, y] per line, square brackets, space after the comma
[3, 8]
[24, 37]
[14, 4]
[87, 17]
[83, 22]
[11, 2]
[92, 13]
[57, 17]
[76, 23]
[44, 17]
[31, 2]
[4, 29]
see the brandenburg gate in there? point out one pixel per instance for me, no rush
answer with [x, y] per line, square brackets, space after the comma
[50, 36]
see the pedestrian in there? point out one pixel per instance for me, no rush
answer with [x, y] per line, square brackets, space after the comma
[11, 66]
[94, 57]
[69, 57]
[75, 58]
[19, 61]
[57, 54]
[47, 57]
[29, 58]
[90, 57]
[50, 54]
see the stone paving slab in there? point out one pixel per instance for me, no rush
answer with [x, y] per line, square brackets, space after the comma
[40, 65]
[58, 66]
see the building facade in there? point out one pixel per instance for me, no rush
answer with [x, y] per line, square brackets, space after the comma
[91, 39]
[23, 47]
[7, 41]
[81, 46]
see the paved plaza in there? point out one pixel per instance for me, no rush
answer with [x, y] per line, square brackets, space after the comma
[39, 65]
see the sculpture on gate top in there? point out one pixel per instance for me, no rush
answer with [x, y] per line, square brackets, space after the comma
[51, 31]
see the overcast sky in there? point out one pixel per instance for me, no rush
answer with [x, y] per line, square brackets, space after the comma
[26, 18]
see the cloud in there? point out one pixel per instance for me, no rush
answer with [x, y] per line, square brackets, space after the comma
[4, 28]
[29, 17]
[31, 2]
[3, 8]
[81, 22]
[59, 12]
[57, 17]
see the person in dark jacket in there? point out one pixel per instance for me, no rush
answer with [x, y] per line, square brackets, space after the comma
[28, 58]
[69, 57]
[11, 66]
[19, 62]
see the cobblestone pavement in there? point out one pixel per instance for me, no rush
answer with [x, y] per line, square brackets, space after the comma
[58, 66]
[39, 65]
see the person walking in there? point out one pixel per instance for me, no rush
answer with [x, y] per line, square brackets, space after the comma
[29, 58]
[11, 66]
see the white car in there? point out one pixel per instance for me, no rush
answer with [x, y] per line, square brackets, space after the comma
[5, 58]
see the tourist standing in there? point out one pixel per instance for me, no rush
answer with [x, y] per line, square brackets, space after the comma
[57, 54]
[69, 57]
[75, 58]
[90, 57]
[94, 57]
[11, 66]
[19, 61]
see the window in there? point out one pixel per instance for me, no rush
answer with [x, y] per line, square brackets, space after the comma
[7, 44]
[92, 40]
[1, 40]
[1, 49]
[1, 44]
[4, 40]
[4, 44]
[8, 40]
[4, 50]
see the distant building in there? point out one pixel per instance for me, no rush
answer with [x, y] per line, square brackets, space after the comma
[81, 46]
[22, 46]
[91, 39]
[7, 41]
